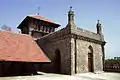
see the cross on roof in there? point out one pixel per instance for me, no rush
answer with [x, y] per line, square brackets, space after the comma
[38, 10]
[70, 8]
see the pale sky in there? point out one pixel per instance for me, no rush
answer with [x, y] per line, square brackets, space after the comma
[87, 12]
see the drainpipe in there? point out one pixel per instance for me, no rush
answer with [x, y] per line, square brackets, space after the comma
[75, 55]
[103, 51]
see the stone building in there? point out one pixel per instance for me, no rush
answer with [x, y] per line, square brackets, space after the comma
[71, 49]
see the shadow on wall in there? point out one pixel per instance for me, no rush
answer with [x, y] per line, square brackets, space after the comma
[54, 66]
[18, 68]
[57, 61]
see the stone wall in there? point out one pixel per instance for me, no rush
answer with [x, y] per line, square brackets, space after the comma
[79, 56]
[82, 56]
[80, 41]
[57, 41]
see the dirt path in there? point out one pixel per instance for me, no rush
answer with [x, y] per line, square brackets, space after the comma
[82, 76]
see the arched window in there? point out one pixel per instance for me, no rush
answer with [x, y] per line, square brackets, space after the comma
[90, 59]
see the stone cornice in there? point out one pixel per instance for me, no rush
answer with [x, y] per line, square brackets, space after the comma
[75, 36]
[65, 34]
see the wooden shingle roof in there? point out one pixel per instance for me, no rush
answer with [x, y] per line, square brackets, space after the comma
[39, 17]
[20, 47]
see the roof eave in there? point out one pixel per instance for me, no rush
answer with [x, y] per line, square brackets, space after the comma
[57, 25]
[22, 22]
[20, 25]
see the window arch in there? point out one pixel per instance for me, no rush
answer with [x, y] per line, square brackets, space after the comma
[57, 51]
[90, 49]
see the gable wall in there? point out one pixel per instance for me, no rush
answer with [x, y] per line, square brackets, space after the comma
[50, 44]
[82, 56]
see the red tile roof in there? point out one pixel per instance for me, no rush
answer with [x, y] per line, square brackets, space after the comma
[42, 18]
[20, 47]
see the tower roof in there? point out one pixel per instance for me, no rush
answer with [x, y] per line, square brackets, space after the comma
[38, 17]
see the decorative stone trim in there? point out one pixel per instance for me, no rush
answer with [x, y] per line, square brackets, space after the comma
[64, 33]
[64, 36]
[86, 39]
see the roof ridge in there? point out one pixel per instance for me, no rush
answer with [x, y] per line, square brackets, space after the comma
[42, 18]
[15, 33]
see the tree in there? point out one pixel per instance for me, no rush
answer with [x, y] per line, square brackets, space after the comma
[5, 27]
[112, 60]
